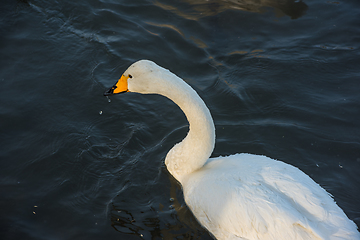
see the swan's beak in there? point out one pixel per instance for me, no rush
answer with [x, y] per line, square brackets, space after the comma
[120, 87]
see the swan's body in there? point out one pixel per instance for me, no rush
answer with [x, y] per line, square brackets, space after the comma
[241, 196]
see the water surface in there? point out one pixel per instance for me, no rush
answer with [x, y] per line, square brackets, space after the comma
[281, 79]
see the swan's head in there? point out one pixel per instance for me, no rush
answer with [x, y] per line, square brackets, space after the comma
[143, 76]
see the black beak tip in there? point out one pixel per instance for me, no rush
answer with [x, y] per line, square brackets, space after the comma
[109, 92]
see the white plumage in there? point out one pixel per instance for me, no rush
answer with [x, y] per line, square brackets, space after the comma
[242, 196]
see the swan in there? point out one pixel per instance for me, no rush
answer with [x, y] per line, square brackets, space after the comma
[242, 196]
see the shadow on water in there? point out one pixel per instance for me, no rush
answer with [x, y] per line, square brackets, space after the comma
[205, 8]
[155, 218]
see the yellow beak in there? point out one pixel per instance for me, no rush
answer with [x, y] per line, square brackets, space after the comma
[120, 87]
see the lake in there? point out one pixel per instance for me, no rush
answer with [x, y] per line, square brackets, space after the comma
[281, 79]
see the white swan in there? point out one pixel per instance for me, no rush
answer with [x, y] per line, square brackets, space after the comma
[241, 196]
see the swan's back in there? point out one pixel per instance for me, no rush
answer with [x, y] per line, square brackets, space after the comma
[256, 197]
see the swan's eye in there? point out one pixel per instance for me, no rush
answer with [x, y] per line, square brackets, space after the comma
[130, 76]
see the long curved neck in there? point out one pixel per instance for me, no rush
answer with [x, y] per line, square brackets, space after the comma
[190, 154]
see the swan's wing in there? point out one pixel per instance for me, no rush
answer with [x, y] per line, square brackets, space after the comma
[317, 210]
[259, 198]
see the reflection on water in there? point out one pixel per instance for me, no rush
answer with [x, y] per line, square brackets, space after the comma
[204, 8]
[147, 218]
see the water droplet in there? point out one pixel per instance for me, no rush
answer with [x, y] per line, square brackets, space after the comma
[109, 100]
[100, 112]
[171, 199]
[317, 165]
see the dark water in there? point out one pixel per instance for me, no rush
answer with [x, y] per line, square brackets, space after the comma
[281, 79]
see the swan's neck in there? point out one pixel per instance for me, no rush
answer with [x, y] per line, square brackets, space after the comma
[193, 151]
